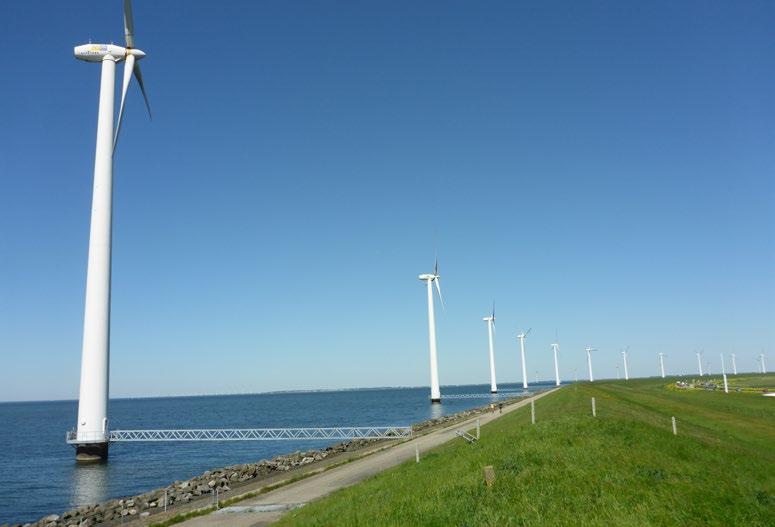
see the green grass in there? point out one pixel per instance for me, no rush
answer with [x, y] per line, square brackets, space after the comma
[622, 468]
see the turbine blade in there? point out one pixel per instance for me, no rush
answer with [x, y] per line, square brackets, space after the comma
[436, 267]
[528, 332]
[438, 289]
[139, 77]
[129, 25]
[128, 66]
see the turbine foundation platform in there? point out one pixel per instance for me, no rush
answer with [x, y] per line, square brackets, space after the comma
[435, 401]
[91, 452]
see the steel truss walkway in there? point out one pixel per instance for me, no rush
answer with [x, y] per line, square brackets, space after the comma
[485, 395]
[260, 434]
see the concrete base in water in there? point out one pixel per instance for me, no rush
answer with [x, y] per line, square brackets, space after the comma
[435, 401]
[91, 452]
[493, 391]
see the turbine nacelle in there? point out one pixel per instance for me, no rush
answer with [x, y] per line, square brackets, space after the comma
[428, 277]
[98, 52]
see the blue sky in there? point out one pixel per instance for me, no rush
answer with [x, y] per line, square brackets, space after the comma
[602, 169]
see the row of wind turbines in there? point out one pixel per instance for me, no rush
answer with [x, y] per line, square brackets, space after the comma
[432, 279]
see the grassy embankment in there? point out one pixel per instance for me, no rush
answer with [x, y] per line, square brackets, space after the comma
[624, 467]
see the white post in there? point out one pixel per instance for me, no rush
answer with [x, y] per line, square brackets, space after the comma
[435, 391]
[524, 366]
[478, 428]
[95, 354]
[556, 366]
[416, 453]
[699, 363]
[589, 364]
[675, 429]
[594, 410]
[662, 364]
[533, 411]
[493, 384]
[734, 365]
[724, 374]
[165, 500]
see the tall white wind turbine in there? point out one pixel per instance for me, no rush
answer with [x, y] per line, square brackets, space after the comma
[662, 363]
[761, 361]
[490, 327]
[734, 365]
[430, 280]
[555, 348]
[521, 338]
[589, 362]
[699, 361]
[91, 435]
[624, 359]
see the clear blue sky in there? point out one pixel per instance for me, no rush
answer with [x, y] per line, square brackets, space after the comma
[604, 169]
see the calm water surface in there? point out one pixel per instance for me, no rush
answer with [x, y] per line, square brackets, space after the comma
[41, 477]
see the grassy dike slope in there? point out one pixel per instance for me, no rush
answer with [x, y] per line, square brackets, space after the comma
[624, 467]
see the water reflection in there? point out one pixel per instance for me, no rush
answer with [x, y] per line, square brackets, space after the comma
[436, 411]
[89, 484]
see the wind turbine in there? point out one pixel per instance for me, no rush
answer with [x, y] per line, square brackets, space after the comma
[699, 360]
[662, 363]
[521, 338]
[91, 435]
[589, 362]
[555, 348]
[431, 279]
[617, 372]
[761, 361]
[734, 365]
[724, 374]
[490, 327]
[624, 359]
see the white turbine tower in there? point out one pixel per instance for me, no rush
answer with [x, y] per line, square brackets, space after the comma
[555, 348]
[91, 435]
[589, 362]
[624, 359]
[662, 363]
[761, 361]
[431, 279]
[490, 327]
[699, 361]
[521, 338]
[724, 374]
[734, 365]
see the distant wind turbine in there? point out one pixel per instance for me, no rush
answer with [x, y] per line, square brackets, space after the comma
[490, 327]
[431, 279]
[521, 338]
[724, 374]
[624, 359]
[734, 365]
[662, 363]
[699, 360]
[556, 347]
[761, 361]
[589, 362]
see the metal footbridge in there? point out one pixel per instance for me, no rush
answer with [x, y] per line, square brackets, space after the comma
[503, 394]
[255, 434]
